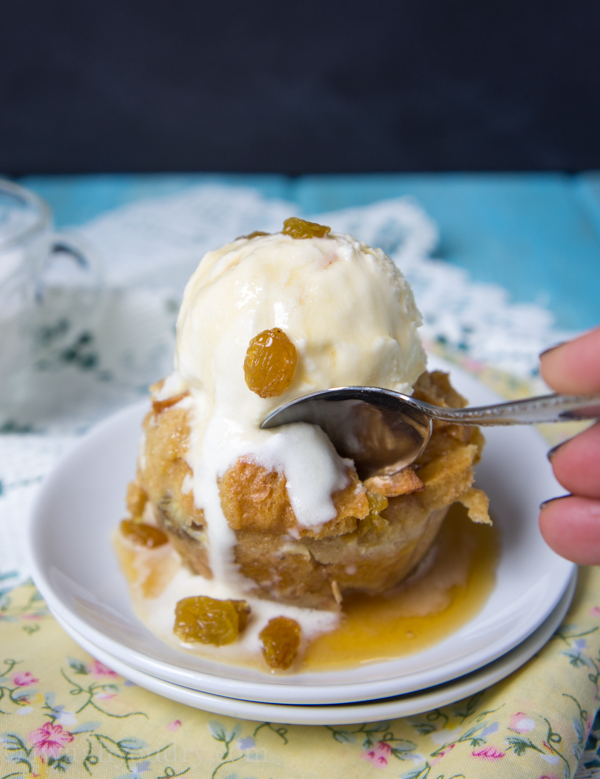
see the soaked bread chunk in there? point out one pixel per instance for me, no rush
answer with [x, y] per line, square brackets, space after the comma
[253, 498]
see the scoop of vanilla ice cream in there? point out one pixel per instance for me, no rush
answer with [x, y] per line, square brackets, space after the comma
[346, 307]
[352, 318]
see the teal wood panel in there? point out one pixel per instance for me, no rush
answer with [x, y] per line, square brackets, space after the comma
[537, 235]
[77, 199]
[588, 188]
[533, 234]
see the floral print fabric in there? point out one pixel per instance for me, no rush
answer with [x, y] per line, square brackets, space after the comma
[64, 713]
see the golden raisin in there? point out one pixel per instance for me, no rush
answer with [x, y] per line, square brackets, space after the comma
[270, 363]
[250, 236]
[281, 641]
[143, 534]
[209, 620]
[300, 228]
[377, 503]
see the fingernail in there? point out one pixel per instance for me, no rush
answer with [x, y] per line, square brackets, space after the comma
[552, 348]
[552, 500]
[555, 449]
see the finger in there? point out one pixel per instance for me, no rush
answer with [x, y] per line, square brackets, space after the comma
[576, 463]
[571, 526]
[574, 367]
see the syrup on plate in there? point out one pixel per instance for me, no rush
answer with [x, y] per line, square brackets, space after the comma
[447, 590]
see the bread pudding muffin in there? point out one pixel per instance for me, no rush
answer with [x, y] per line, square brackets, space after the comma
[277, 515]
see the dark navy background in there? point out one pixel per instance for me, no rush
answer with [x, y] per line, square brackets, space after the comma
[298, 87]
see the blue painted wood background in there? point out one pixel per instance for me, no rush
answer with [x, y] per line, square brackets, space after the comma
[537, 235]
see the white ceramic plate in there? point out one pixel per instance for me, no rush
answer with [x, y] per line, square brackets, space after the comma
[349, 713]
[76, 571]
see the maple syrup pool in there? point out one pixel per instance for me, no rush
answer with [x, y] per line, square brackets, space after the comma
[459, 575]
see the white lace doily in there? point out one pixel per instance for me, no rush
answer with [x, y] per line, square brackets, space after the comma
[102, 357]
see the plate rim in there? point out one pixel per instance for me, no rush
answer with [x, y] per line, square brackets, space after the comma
[349, 713]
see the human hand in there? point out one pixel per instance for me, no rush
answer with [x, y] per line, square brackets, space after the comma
[571, 524]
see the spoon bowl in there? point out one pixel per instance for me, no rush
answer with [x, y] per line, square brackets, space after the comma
[384, 431]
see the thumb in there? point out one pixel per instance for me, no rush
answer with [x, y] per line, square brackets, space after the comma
[574, 367]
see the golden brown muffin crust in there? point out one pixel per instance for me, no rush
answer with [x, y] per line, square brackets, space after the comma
[360, 549]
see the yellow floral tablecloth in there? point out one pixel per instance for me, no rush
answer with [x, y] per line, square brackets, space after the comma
[64, 713]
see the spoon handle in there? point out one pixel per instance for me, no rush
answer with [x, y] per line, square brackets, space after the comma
[545, 408]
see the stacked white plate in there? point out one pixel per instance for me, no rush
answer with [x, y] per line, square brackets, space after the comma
[75, 569]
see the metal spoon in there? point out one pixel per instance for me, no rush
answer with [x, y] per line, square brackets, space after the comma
[384, 431]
